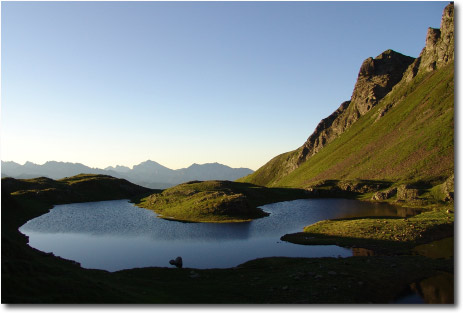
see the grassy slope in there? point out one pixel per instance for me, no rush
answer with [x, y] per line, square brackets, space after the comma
[412, 142]
[216, 201]
[273, 170]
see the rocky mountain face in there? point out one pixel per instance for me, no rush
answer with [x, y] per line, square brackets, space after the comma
[377, 78]
[439, 49]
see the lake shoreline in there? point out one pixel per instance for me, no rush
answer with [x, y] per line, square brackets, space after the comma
[31, 276]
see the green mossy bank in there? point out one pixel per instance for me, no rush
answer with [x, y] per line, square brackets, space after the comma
[216, 201]
[390, 236]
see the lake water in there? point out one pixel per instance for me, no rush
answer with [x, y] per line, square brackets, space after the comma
[115, 235]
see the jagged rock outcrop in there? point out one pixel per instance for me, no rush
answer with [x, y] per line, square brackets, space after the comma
[375, 79]
[439, 49]
[328, 129]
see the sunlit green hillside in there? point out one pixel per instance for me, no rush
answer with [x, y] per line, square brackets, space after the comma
[407, 137]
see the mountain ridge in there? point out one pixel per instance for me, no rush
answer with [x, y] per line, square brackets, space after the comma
[149, 173]
[386, 93]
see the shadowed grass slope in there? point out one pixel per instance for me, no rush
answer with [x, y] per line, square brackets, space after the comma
[216, 201]
[407, 137]
[79, 188]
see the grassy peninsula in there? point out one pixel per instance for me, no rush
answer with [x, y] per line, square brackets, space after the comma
[390, 236]
[216, 201]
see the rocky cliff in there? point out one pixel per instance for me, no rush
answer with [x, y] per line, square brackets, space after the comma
[377, 78]
[439, 48]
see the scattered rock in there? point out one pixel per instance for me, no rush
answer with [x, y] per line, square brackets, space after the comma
[332, 273]
[178, 262]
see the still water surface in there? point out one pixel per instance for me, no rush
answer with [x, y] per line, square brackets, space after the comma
[115, 235]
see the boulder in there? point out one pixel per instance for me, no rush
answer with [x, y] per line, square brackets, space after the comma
[407, 192]
[178, 262]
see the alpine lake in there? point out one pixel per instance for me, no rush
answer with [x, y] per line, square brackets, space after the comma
[116, 235]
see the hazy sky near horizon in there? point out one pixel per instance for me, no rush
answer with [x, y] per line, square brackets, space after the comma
[107, 83]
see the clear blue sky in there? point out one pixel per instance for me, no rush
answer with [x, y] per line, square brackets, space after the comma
[106, 83]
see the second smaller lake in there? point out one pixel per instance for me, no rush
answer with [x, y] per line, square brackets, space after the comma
[115, 235]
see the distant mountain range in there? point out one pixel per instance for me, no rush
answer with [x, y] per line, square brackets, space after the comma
[148, 174]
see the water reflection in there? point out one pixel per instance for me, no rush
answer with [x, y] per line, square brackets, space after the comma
[362, 252]
[115, 235]
[437, 289]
